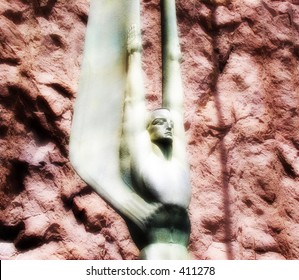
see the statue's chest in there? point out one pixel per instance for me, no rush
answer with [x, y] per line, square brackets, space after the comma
[166, 180]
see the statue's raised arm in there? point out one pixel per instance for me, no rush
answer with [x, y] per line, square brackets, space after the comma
[172, 87]
[97, 119]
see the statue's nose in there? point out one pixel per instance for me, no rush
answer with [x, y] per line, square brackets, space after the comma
[169, 126]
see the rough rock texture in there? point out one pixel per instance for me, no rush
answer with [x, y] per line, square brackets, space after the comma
[240, 69]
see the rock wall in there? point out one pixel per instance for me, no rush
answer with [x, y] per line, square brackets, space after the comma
[240, 70]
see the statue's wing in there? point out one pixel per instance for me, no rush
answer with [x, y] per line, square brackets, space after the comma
[96, 128]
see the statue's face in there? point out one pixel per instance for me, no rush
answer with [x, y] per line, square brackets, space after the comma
[160, 126]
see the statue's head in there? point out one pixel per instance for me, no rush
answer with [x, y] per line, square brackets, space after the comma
[160, 126]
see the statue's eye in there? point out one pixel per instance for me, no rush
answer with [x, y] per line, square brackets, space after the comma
[158, 122]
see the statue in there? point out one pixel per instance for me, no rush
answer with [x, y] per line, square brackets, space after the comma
[145, 174]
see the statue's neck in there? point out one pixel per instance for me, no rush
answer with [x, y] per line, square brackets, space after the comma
[164, 150]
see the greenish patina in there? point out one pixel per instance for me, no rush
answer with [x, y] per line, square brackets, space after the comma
[134, 159]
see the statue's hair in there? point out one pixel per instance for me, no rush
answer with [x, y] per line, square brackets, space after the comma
[150, 115]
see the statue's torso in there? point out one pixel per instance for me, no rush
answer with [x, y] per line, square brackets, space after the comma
[166, 180]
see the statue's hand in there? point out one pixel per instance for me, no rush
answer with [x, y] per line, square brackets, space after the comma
[134, 43]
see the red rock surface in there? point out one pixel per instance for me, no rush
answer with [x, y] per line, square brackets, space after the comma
[240, 69]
